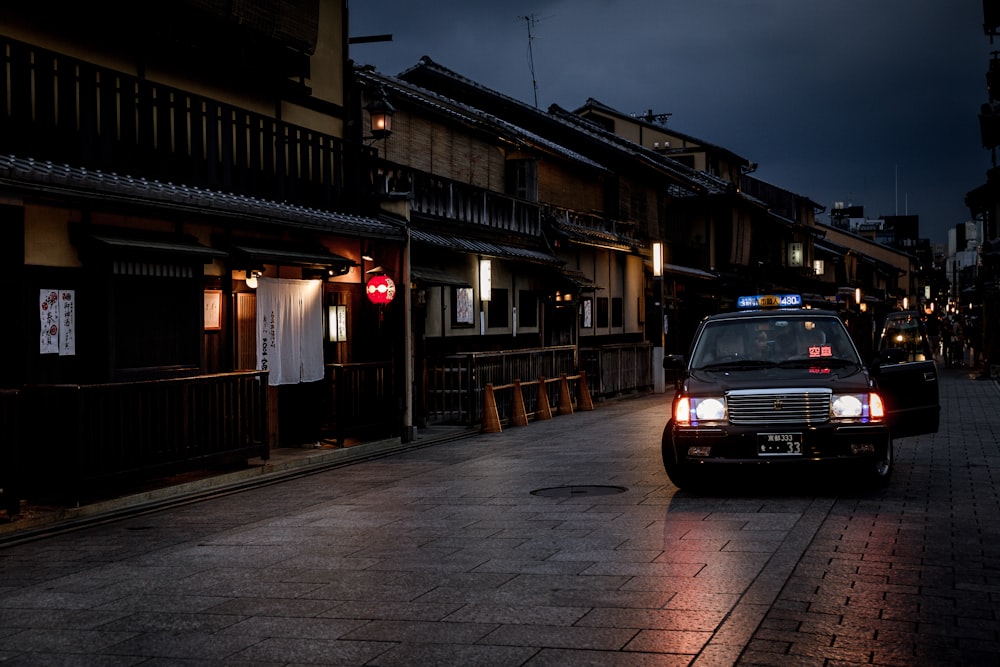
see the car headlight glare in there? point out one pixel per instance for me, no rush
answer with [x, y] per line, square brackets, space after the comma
[847, 406]
[709, 409]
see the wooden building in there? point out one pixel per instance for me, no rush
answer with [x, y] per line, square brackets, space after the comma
[181, 208]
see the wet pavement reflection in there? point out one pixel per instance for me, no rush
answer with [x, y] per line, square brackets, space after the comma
[561, 542]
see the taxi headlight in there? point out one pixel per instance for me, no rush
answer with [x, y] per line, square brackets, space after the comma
[855, 406]
[708, 409]
[848, 405]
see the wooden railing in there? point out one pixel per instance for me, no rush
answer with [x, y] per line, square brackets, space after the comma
[444, 198]
[363, 401]
[618, 369]
[67, 111]
[83, 435]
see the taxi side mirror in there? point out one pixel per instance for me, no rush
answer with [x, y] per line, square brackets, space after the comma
[673, 362]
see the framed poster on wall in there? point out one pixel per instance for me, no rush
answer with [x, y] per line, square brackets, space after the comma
[213, 309]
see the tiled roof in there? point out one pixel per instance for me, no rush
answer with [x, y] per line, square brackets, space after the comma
[469, 115]
[25, 173]
[477, 247]
[599, 237]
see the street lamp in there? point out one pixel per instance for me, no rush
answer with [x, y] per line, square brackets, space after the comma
[380, 114]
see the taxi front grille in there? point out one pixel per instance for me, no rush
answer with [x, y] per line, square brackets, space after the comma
[796, 406]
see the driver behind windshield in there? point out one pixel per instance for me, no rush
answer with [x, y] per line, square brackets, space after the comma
[728, 346]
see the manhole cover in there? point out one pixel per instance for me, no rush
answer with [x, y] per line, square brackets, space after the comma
[570, 491]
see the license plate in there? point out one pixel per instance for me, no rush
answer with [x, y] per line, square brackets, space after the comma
[779, 444]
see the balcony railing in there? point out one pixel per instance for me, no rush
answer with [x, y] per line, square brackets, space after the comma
[444, 198]
[62, 110]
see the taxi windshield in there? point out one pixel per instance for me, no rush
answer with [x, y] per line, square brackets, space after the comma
[773, 341]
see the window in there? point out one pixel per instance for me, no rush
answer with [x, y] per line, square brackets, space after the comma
[522, 179]
[156, 318]
[617, 312]
[602, 311]
[527, 309]
[499, 309]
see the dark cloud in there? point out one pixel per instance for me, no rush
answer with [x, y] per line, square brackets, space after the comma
[868, 102]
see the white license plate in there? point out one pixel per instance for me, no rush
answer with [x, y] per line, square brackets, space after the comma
[779, 444]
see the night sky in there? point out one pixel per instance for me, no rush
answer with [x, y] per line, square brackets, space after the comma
[867, 102]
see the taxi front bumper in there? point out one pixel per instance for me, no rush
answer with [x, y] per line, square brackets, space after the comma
[728, 444]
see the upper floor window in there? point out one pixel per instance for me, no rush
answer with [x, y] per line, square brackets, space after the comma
[522, 178]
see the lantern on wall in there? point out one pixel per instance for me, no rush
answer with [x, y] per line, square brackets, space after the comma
[380, 290]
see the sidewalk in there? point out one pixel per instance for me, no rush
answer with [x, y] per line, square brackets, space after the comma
[284, 462]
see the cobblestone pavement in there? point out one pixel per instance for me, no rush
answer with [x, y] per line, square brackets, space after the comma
[558, 543]
[909, 575]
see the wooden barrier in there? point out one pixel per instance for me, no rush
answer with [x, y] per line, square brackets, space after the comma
[491, 418]
[518, 413]
[583, 399]
[565, 400]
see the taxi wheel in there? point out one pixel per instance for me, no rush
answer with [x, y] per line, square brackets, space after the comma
[682, 475]
[880, 470]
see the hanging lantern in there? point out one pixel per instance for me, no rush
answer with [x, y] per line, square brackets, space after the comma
[381, 290]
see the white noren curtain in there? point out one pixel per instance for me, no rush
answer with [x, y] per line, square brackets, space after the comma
[290, 330]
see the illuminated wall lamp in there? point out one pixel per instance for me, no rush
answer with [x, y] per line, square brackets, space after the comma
[252, 279]
[337, 323]
[485, 279]
[657, 259]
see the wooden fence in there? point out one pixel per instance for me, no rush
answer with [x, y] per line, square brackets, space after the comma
[83, 435]
[364, 401]
[11, 478]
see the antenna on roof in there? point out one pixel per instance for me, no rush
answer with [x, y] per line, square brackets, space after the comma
[530, 20]
[650, 117]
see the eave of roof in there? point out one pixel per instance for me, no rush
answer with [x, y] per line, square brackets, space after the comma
[595, 237]
[25, 174]
[486, 248]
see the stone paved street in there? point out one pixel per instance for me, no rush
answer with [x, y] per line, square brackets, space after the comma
[909, 575]
[558, 543]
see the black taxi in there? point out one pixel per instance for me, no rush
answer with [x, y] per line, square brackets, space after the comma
[775, 383]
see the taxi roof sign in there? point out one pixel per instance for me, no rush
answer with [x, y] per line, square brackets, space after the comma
[769, 301]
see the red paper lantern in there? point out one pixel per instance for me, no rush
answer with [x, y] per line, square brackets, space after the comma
[381, 289]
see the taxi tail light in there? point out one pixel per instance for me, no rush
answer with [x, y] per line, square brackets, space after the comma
[682, 410]
[876, 409]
